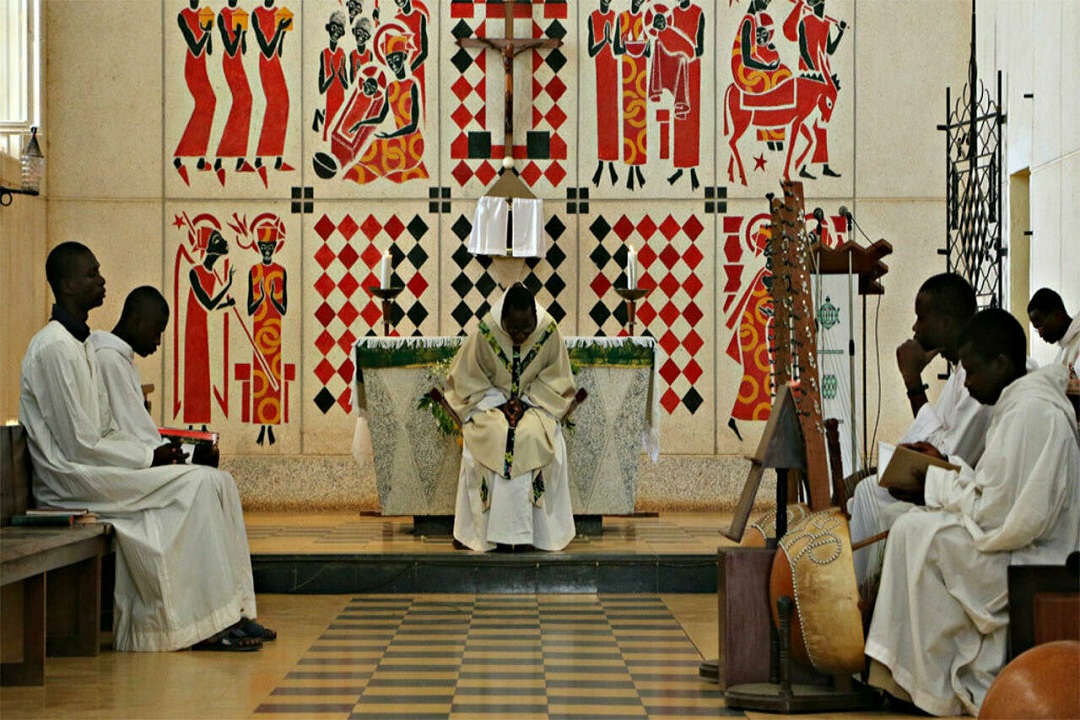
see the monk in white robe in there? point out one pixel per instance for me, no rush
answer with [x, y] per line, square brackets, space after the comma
[938, 633]
[955, 425]
[183, 569]
[145, 316]
[510, 384]
[1048, 316]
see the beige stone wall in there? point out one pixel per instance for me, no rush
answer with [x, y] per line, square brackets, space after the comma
[23, 295]
[117, 103]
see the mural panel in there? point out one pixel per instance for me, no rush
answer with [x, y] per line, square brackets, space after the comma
[235, 335]
[231, 108]
[646, 97]
[370, 97]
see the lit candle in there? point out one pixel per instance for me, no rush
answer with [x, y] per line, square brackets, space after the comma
[631, 268]
[384, 271]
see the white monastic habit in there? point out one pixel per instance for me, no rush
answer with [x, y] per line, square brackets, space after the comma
[488, 235]
[183, 569]
[1069, 345]
[513, 493]
[956, 425]
[116, 360]
[939, 627]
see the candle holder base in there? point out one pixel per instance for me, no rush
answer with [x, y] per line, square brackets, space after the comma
[387, 295]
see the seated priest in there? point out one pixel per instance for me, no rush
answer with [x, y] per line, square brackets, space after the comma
[183, 569]
[938, 632]
[955, 424]
[511, 384]
[143, 320]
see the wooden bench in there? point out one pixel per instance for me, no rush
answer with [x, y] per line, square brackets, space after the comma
[50, 577]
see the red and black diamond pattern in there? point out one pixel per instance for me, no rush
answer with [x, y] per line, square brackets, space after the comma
[347, 258]
[670, 266]
[475, 152]
[474, 288]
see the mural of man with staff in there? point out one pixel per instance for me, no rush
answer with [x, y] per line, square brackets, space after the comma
[205, 238]
[812, 30]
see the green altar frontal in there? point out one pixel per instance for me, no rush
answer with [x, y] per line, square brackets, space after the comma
[416, 461]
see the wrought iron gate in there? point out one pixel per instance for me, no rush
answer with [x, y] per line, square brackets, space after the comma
[973, 185]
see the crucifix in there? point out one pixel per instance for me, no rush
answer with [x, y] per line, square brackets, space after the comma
[509, 47]
[509, 185]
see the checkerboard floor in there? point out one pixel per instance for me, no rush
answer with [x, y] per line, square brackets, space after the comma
[502, 657]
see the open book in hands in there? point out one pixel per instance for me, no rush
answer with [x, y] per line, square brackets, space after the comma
[905, 468]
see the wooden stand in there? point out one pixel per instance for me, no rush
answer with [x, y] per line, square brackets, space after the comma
[387, 296]
[788, 697]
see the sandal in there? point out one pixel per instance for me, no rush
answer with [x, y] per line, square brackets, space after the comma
[229, 641]
[253, 629]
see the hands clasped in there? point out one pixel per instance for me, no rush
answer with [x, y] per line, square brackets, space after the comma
[513, 410]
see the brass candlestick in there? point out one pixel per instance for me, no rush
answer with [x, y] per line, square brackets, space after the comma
[387, 296]
[631, 296]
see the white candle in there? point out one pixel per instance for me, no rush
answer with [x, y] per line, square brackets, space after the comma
[384, 271]
[631, 268]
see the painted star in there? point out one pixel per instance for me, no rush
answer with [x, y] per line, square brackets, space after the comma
[178, 221]
[759, 162]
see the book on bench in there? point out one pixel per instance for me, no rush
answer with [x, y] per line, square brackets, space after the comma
[54, 516]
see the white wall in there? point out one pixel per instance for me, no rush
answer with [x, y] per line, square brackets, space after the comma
[1036, 47]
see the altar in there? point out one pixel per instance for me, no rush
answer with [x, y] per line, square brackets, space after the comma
[416, 460]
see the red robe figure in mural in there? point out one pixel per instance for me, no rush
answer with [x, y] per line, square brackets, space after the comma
[233, 24]
[356, 125]
[267, 302]
[811, 30]
[750, 343]
[602, 28]
[361, 55]
[397, 155]
[756, 66]
[196, 25]
[200, 302]
[333, 75]
[689, 20]
[270, 26]
[632, 45]
[413, 15]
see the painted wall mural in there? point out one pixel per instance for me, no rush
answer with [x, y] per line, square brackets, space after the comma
[374, 97]
[306, 138]
[211, 379]
[230, 56]
[783, 108]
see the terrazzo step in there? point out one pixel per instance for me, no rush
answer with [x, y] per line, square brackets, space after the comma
[469, 572]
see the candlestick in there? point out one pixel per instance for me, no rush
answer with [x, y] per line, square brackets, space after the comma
[631, 296]
[384, 271]
[387, 295]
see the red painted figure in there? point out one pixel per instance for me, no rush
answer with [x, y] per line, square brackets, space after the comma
[602, 28]
[195, 25]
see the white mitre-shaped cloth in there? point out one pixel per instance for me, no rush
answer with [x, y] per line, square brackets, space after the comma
[488, 235]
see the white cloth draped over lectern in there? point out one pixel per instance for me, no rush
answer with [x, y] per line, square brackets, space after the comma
[488, 235]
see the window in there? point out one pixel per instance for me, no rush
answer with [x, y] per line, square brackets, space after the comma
[20, 61]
